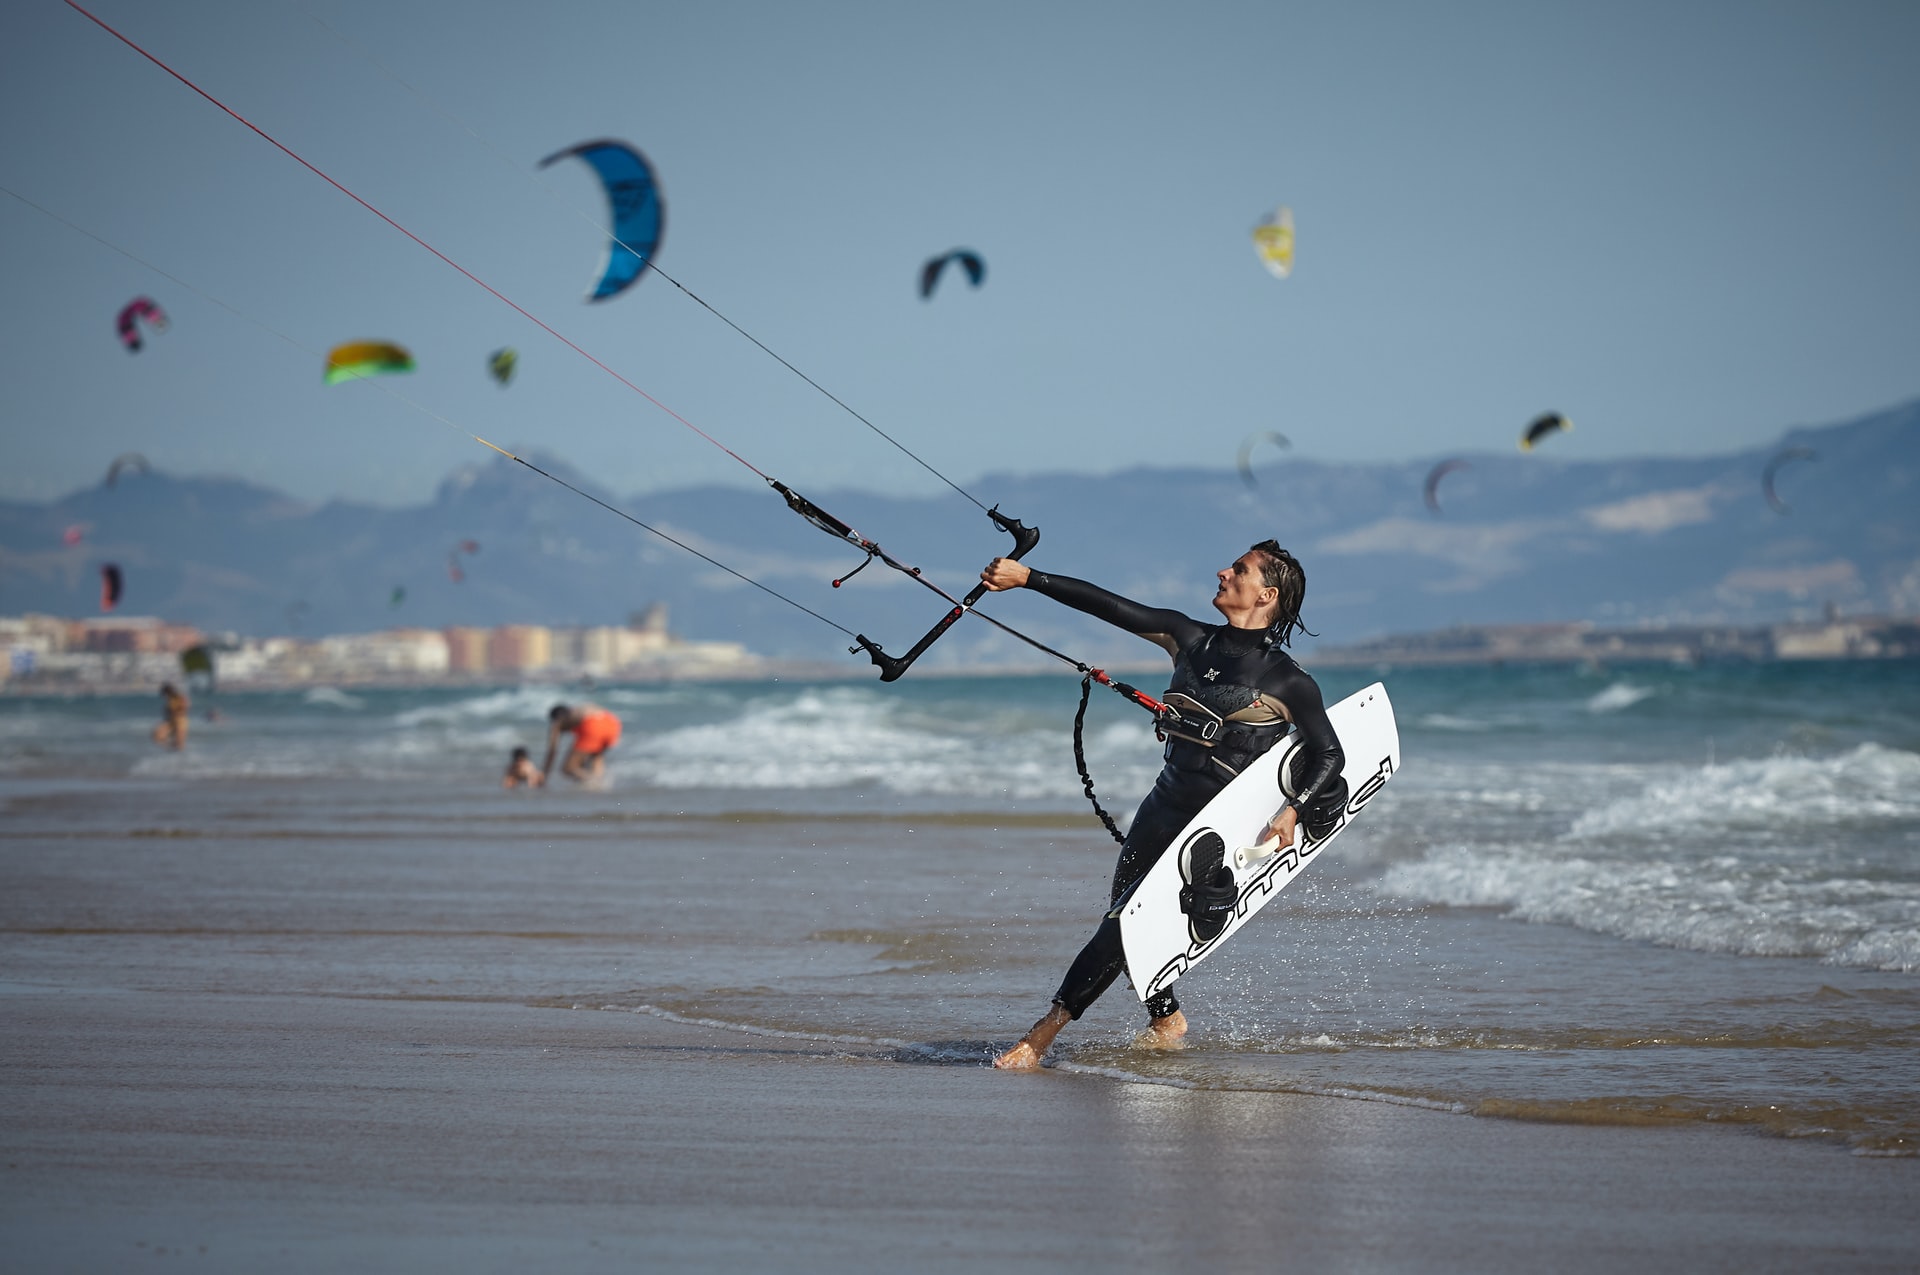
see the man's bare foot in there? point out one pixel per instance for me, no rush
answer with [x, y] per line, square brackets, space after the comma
[1164, 1033]
[1026, 1055]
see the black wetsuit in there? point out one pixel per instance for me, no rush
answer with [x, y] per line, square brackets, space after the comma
[1240, 676]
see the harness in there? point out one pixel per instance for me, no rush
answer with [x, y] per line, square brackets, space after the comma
[1199, 739]
[1192, 721]
[1199, 734]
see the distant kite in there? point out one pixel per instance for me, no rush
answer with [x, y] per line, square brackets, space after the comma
[359, 359]
[1434, 476]
[639, 214]
[1774, 466]
[398, 595]
[135, 310]
[1551, 423]
[502, 362]
[74, 535]
[969, 261]
[1273, 241]
[1244, 462]
[296, 612]
[111, 585]
[126, 460]
[454, 573]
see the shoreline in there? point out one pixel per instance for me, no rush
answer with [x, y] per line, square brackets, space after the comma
[1341, 658]
[319, 1131]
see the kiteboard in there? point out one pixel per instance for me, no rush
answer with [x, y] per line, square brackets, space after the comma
[1161, 940]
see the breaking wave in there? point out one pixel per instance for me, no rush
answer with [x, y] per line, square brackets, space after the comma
[1783, 856]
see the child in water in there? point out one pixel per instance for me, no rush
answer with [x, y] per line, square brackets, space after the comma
[521, 772]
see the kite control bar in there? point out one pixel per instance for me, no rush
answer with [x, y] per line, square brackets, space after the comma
[892, 667]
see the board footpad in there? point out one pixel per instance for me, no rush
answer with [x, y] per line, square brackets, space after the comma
[1210, 893]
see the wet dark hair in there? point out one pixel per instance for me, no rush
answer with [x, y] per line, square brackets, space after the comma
[520, 754]
[557, 712]
[1281, 570]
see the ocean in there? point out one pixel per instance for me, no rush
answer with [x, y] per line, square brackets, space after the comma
[1633, 896]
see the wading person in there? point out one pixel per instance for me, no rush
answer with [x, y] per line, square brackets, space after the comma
[175, 709]
[595, 731]
[1239, 672]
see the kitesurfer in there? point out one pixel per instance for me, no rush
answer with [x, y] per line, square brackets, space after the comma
[1239, 672]
[175, 709]
[594, 731]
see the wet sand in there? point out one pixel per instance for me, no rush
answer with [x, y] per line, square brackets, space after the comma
[236, 1132]
[315, 1026]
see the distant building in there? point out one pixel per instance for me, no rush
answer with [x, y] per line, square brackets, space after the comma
[41, 634]
[652, 619]
[520, 648]
[466, 650]
[419, 651]
[402, 652]
[126, 651]
[254, 660]
[603, 649]
[1865, 638]
[136, 635]
[1876, 637]
[29, 640]
[119, 650]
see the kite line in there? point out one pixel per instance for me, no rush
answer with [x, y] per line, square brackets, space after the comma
[891, 667]
[387, 389]
[648, 258]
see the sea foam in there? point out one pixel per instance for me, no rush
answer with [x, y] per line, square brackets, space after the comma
[1870, 782]
[1782, 856]
[838, 737]
[1618, 696]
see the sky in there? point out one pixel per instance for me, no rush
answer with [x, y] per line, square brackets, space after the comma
[1686, 226]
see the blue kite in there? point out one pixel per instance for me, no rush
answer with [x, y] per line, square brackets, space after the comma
[639, 214]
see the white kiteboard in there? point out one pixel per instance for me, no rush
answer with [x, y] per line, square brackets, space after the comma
[1159, 939]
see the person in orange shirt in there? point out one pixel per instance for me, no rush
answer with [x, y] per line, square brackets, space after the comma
[594, 731]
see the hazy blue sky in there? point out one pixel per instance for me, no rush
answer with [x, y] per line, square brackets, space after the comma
[1688, 226]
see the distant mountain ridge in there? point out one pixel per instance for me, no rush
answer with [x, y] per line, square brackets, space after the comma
[1523, 538]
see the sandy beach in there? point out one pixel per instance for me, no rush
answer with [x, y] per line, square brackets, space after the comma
[261, 1008]
[321, 1133]
[235, 1131]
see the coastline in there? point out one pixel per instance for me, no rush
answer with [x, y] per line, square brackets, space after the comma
[1870, 639]
[315, 1132]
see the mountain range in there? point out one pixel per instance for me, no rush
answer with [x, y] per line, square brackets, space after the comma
[1518, 538]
